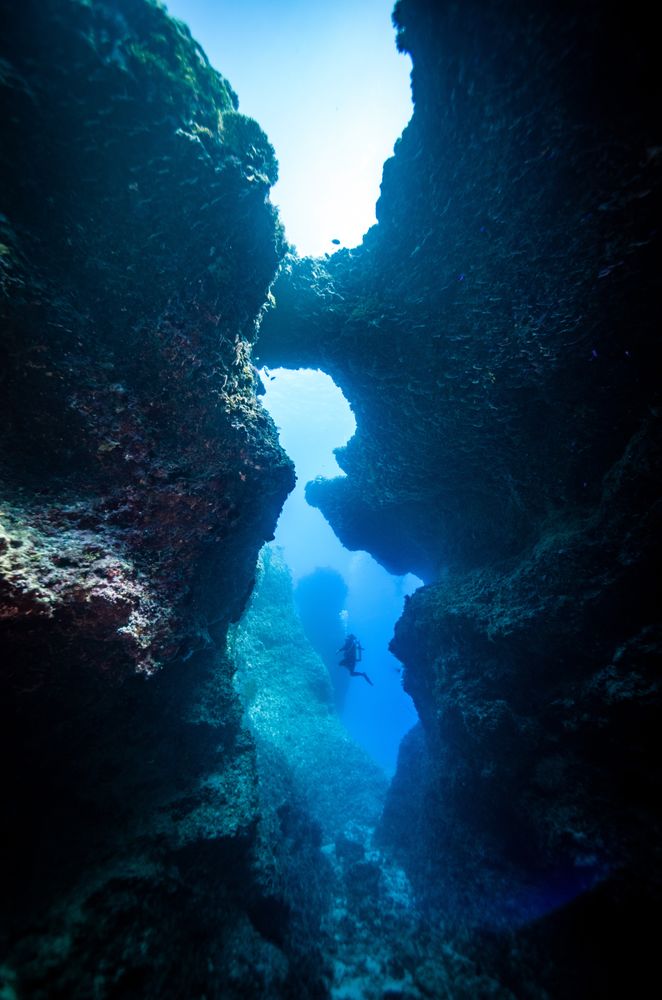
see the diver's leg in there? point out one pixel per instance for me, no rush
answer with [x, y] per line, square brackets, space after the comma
[358, 673]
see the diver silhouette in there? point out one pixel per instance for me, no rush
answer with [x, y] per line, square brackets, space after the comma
[351, 651]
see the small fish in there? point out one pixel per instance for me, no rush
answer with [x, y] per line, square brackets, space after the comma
[336, 242]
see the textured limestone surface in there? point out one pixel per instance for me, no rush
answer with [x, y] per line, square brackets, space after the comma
[494, 332]
[139, 479]
[496, 335]
[138, 248]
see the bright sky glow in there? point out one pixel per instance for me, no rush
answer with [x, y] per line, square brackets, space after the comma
[326, 83]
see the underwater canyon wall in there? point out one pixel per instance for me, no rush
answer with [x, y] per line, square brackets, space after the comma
[496, 337]
[139, 479]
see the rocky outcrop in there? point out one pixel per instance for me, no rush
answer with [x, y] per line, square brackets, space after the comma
[139, 479]
[495, 335]
[479, 331]
[138, 250]
[538, 692]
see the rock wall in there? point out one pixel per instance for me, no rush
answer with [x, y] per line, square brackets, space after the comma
[339, 902]
[320, 795]
[496, 335]
[139, 480]
[480, 331]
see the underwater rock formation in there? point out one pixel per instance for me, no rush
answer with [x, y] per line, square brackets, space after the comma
[139, 480]
[288, 698]
[479, 331]
[496, 336]
[320, 795]
[341, 899]
[138, 249]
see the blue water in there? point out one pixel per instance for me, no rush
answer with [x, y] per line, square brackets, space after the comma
[313, 418]
[331, 133]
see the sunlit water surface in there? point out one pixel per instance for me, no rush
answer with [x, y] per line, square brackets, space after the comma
[329, 87]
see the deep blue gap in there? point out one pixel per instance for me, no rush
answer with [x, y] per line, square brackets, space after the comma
[314, 418]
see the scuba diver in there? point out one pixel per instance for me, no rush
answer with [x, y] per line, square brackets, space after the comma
[351, 651]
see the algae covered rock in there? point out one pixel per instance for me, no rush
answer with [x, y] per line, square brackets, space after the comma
[187, 816]
[139, 479]
[496, 335]
[495, 332]
[140, 245]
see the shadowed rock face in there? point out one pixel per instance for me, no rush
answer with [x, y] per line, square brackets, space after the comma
[495, 335]
[138, 249]
[139, 479]
[351, 906]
